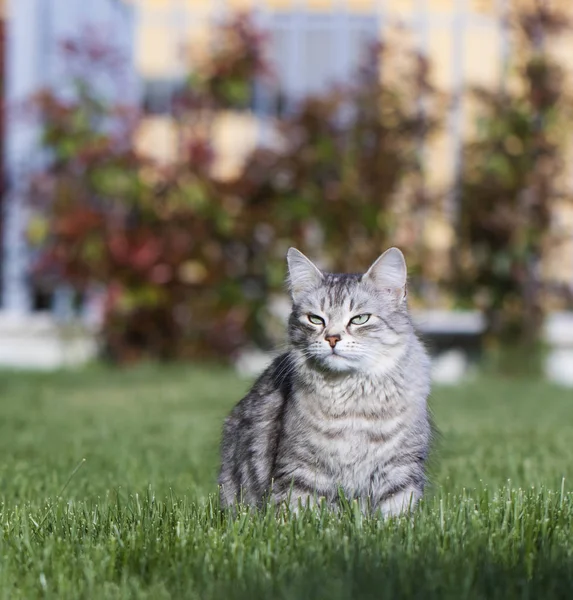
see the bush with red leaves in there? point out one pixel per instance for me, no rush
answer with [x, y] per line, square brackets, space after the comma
[189, 262]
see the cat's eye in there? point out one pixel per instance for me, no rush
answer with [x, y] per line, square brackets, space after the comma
[359, 319]
[316, 320]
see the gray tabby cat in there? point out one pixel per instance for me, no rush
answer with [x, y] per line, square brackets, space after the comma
[344, 410]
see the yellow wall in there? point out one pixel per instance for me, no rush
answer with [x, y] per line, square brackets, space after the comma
[173, 33]
[161, 32]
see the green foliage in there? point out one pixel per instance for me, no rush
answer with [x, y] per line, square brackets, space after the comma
[510, 190]
[139, 519]
[225, 80]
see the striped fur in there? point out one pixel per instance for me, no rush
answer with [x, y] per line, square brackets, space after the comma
[353, 418]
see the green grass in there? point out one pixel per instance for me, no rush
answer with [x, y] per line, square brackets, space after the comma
[139, 519]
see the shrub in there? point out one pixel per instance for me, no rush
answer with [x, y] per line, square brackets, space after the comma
[510, 190]
[171, 245]
[347, 179]
[188, 261]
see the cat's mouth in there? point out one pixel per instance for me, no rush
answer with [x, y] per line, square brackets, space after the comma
[336, 354]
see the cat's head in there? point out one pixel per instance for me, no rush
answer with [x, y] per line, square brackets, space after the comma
[349, 322]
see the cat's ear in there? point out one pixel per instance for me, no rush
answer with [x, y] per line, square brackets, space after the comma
[302, 273]
[389, 272]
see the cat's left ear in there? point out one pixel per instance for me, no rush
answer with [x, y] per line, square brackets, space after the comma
[389, 272]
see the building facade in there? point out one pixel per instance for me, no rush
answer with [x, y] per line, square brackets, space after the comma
[313, 43]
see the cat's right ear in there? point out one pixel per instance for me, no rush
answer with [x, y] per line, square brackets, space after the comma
[303, 274]
[389, 272]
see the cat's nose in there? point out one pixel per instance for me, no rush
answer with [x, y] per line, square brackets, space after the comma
[332, 339]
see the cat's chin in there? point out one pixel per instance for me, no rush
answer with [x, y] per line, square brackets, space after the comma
[336, 363]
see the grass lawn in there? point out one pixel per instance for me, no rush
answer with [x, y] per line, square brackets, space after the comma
[138, 519]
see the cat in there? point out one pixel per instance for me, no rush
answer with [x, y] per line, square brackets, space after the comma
[343, 411]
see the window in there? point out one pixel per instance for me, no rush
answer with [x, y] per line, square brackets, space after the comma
[312, 52]
[158, 94]
[309, 53]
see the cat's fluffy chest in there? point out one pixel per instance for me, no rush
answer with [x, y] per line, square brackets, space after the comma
[357, 401]
[350, 429]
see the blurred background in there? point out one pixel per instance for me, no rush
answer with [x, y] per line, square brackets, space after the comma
[160, 156]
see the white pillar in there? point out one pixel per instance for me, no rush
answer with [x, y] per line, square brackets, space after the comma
[24, 73]
[34, 28]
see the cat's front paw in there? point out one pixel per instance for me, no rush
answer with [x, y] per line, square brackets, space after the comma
[400, 503]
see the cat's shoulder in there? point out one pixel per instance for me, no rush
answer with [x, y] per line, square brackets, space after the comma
[274, 384]
[277, 377]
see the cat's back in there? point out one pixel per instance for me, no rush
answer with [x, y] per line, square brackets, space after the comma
[251, 433]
